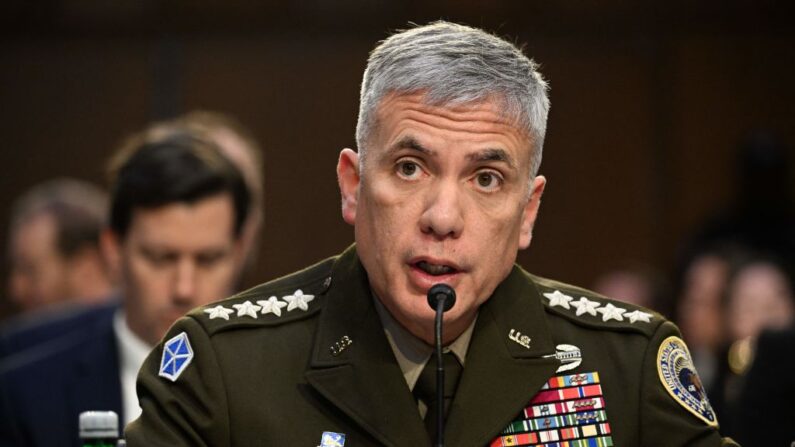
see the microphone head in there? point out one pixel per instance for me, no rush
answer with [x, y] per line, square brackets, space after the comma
[441, 292]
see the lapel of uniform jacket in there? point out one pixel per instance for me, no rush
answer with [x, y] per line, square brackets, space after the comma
[362, 379]
[500, 374]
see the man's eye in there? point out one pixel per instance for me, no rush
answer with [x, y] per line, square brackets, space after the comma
[160, 258]
[488, 181]
[209, 259]
[156, 256]
[408, 169]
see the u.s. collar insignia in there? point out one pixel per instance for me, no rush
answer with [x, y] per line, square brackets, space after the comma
[679, 377]
[517, 336]
[331, 439]
[177, 355]
[570, 357]
[341, 345]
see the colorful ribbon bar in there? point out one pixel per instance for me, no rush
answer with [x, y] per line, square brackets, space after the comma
[603, 441]
[572, 380]
[565, 420]
[571, 406]
[567, 394]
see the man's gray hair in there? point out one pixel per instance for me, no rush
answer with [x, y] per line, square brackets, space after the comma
[453, 64]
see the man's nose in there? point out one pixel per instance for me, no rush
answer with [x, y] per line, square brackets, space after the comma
[443, 215]
[185, 281]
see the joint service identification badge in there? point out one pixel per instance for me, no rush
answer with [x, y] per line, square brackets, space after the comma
[679, 377]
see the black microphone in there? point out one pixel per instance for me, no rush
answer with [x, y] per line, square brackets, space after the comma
[441, 298]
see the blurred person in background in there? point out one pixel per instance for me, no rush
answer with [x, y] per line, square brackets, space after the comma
[175, 236]
[240, 146]
[722, 307]
[699, 309]
[765, 411]
[237, 144]
[761, 215]
[759, 295]
[634, 283]
[54, 256]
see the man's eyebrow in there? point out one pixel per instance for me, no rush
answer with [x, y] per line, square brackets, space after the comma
[409, 142]
[493, 154]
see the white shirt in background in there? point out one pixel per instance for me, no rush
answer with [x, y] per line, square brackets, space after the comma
[132, 353]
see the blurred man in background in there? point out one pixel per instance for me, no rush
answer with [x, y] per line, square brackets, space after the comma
[765, 409]
[239, 145]
[236, 143]
[759, 296]
[179, 209]
[54, 255]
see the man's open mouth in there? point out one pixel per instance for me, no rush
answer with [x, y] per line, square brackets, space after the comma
[435, 269]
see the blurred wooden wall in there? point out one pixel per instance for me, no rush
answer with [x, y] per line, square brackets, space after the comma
[648, 105]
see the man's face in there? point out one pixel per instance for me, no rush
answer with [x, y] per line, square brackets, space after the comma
[443, 197]
[174, 258]
[38, 273]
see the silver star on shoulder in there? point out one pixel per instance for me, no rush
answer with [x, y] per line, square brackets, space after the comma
[219, 312]
[247, 309]
[557, 298]
[638, 316]
[610, 312]
[272, 306]
[298, 300]
[585, 306]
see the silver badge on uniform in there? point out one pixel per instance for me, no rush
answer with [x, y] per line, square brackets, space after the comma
[570, 357]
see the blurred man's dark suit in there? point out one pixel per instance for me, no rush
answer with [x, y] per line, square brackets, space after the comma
[51, 372]
[767, 404]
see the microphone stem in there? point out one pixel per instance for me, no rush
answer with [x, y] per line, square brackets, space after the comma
[439, 372]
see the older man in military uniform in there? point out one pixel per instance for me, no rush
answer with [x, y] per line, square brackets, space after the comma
[443, 189]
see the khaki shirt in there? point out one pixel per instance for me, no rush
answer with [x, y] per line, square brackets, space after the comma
[412, 354]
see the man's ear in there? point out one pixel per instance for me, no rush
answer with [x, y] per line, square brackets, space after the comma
[348, 179]
[530, 212]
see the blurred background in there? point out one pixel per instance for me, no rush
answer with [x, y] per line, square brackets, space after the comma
[651, 106]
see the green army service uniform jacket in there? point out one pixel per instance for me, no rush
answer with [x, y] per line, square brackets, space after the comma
[304, 361]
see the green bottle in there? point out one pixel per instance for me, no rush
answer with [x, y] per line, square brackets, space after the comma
[99, 429]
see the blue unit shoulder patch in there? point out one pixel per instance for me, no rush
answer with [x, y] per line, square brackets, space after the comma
[331, 439]
[679, 377]
[177, 355]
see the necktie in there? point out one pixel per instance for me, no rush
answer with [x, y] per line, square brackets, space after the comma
[425, 389]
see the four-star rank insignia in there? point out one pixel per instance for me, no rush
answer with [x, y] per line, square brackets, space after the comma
[584, 306]
[679, 377]
[177, 355]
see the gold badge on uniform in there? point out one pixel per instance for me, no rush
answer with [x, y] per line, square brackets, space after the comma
[679, 377]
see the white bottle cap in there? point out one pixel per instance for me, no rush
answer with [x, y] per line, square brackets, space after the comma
[99, 424]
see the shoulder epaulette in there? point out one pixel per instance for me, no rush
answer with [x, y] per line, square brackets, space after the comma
[586, 308]
[282, 300]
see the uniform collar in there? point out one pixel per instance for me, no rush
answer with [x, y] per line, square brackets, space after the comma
[411, 353]
[352, 363]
